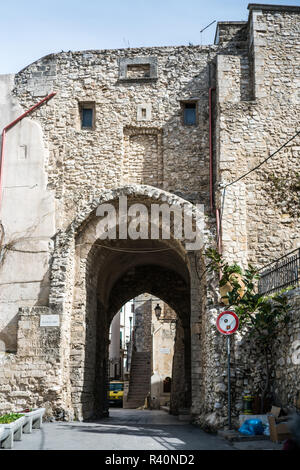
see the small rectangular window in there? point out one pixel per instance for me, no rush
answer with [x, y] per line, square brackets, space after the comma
[190, 114]
[22, 152]
[138, 69]
[87, 115]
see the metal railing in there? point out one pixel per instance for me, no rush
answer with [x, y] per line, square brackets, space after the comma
[280, 274]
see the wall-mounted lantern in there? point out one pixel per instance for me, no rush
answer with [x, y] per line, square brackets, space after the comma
[157, 311]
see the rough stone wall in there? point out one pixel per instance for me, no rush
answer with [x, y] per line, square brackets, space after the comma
[143, 156]
[249, 131]
[33, 376]
[152, 335]
[248, 366]
[81, 161]
[142, 323]
[123, 147]
[286, 378]
[177, 399]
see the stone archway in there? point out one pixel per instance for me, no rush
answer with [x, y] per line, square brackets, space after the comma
[155, 279]
[92, 278]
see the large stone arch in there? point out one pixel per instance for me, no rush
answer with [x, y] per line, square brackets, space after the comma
[88, 285]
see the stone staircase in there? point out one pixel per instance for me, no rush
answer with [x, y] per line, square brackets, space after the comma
[140, 379]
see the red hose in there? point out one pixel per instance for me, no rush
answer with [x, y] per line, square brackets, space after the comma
[210, 149]
[218, 221]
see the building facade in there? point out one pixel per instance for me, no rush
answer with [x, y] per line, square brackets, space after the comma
[161, 125]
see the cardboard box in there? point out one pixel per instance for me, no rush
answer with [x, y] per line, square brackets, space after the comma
[278, 431]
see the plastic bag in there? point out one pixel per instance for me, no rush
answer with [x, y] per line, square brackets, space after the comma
[252, 427]
[266, 430]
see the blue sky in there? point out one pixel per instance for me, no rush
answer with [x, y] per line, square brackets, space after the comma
[30, 29]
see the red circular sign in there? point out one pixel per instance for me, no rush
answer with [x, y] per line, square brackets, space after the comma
[227, 322]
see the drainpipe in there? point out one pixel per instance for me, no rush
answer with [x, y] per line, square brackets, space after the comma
[218, 222]
[12, 124]
[210, 148]
[217, 211]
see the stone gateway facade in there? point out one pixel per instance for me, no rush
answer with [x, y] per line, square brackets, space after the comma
[161, 125]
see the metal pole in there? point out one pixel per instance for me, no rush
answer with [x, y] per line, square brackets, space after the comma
[229, 388]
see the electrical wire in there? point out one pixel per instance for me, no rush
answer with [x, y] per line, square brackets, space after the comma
[264, 161]
[154, 250]
[246, 174]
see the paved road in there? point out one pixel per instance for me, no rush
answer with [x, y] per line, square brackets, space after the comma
[124, 430]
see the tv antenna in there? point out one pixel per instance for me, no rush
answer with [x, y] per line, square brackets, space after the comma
[126, 42]
[205, 29]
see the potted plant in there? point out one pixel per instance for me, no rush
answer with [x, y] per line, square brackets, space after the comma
[11, 425]
[33, 419]
[231, 278]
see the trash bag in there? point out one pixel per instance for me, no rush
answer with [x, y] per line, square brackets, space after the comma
[252, 427]
[266, 430]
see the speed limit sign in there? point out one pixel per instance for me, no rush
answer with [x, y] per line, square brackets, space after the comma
[227, 322]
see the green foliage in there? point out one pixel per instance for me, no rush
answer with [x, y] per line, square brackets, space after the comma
[285, 191]
[261, 317]
[9, 418]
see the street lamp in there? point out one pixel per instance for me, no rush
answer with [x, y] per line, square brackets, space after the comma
[157, 311]
[130, 320]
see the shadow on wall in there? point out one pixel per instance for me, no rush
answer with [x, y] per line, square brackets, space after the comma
[8, 336]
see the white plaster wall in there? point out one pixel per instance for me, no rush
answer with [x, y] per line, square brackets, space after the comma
[114, 347]
[27, 215]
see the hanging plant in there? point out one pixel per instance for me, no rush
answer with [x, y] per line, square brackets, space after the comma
[231, 277]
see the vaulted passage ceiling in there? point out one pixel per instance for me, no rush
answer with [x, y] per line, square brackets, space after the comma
[128, 268]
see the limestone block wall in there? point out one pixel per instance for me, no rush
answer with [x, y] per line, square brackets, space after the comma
[142, 323]
[249, 130]
[123, 147]
[53, 167]
[32, 377]
[286, 373]
[248, 367]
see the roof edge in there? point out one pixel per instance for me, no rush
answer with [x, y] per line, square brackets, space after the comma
[270, 7]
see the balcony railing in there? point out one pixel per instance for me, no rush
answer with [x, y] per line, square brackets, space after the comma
[280, 274]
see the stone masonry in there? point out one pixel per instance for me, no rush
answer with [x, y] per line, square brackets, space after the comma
[56, 172]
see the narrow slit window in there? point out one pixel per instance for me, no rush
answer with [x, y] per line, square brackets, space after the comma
[87, 118]
[87, 115]
[189, 114]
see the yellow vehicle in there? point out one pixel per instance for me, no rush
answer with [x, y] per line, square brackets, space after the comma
[116, 392]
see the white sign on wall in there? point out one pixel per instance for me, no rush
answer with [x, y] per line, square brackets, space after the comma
[165, 350]
[49, 320]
